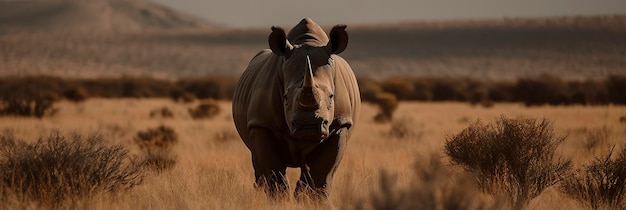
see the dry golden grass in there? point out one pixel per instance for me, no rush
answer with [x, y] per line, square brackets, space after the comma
[214, 171]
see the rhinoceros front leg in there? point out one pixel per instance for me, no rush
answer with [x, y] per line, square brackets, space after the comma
[268, 160]
[316, 176]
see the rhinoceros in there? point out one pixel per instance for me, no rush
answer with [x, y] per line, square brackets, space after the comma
[296, 105]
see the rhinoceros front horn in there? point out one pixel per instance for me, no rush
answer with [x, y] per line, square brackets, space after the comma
[307, 97]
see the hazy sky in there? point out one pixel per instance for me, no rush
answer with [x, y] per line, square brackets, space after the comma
[240, 13]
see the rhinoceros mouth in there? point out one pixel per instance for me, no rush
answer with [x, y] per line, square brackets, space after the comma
[312, 132]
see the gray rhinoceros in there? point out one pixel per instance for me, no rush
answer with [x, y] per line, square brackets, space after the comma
[296, 105]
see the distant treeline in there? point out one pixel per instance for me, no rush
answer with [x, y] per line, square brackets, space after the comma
[534, 91]
[31, 95]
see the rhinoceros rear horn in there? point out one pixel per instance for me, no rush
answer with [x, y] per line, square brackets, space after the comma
[278, 42]
[338, 39]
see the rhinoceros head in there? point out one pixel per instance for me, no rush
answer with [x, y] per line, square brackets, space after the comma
[308, 82]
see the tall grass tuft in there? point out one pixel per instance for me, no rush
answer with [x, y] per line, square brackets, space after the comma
[58, 168]
[156, 145]
[513, 157]
[432, 186]
[601, 184]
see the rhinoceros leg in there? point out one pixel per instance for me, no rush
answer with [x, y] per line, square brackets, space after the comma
[268, 160]
[322, 163]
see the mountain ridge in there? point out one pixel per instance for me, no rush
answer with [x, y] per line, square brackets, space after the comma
[94, 16]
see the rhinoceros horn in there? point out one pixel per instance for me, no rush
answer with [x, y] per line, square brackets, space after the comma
[307, 97]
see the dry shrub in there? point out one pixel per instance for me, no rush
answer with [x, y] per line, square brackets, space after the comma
[225, 135]
[76, 94]
[58, 168]
[601, 184]
[404, 128]
[159, 159]
[433, 186]
[162, 136]
[156, 145]
[206, 109]
[615, 85]
[512, 157]
[399, 87]
[545, 89]
[596, 139]
[368, 89]
[30, 96]
[182, 96]
[388, 104]
[162, 112]
[210, 87]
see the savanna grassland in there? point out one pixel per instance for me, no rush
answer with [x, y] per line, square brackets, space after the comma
[78, 78]
[213, 168]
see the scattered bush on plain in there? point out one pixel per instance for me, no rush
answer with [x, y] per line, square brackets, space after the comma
[433, 186]
[162, 112]
[596, 139]
[404, 128]
[387, 104]
[601, 184]
[206, 109]
[156, 145]
[33, 96]
[58, 168]
[515, 158]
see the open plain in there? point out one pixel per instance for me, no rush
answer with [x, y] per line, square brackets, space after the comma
[214, 170]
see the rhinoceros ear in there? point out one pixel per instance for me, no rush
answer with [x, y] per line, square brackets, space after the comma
[278, 42]
[338, 39]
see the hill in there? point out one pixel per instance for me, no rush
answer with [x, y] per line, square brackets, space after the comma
[91, 16]
[171, 45]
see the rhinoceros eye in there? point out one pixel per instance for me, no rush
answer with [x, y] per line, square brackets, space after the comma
[331, 96]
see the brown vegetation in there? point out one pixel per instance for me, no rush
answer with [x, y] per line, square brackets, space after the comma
[156, 145]
[601, 184]
[206, 109]
[211, 162]
[432, 186]
[387, 104]
[512, 157]
[162, 112]
[35, 96]
[58, 168]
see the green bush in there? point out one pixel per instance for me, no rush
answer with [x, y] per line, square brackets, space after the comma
[512, 157]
